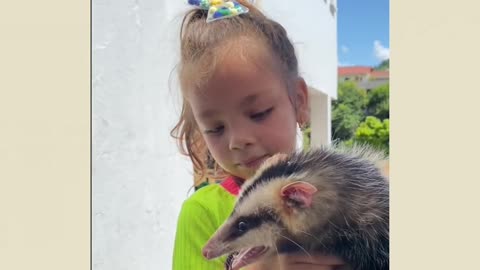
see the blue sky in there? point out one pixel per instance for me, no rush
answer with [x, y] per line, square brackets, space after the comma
[363, 32]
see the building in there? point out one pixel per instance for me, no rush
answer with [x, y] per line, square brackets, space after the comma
[366, 77]
[354, 73]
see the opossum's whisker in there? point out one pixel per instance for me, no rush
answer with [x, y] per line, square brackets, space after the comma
[296, 244]
[319, 241]
[334, 226]
[275, 245]
[346, 221]
[304, 232]
[278, 257]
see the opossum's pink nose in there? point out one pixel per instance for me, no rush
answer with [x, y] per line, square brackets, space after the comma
[207, 251]
[212, 250]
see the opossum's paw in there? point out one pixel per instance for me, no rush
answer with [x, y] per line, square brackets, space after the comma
[274, 160]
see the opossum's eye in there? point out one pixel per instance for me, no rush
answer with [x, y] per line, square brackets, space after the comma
[242, 226]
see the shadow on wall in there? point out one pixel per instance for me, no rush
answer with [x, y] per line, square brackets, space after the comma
[333, 9]
[333, 6]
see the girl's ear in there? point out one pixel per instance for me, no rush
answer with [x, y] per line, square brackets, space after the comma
[301, 100]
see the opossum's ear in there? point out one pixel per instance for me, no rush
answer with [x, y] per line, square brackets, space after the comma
[299, 194]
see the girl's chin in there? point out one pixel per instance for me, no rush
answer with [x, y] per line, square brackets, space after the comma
[243, 173]
[250, 172]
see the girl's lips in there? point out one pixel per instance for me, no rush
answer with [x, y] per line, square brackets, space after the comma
[254, 163]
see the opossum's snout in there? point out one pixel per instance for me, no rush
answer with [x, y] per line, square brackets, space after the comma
[245, 238]
[231, 236]
[220, 243]
[212, 250]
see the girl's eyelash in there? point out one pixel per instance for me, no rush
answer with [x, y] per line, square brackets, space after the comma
[256, 116]
[214, 131]
[261, 115]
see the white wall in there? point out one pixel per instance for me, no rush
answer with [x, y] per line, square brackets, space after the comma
[312, 26]
[139, 179]
[313, 30]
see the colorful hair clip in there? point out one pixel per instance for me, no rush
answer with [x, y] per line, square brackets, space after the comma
[219, 9]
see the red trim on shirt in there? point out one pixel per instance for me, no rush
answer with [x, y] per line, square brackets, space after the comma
[231, 185]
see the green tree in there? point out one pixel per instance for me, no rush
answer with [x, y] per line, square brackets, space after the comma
[344, 122]
[347, 110]
[374, 132]
[384, 65]
[378, 102]
[352, 96]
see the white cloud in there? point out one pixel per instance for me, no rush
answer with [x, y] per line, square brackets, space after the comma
[381, 52]
[344, 49]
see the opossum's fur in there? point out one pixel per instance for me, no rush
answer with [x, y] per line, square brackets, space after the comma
[348, 216]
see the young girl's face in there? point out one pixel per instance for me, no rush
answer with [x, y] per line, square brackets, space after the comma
[245, 115]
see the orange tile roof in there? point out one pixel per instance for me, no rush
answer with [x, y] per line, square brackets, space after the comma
[355, 70]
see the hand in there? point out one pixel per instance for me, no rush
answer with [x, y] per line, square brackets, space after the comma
[299, 261]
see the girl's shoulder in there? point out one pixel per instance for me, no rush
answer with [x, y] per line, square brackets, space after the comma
[227, 190]
[201, 215]
[215, 200]
[209, 194]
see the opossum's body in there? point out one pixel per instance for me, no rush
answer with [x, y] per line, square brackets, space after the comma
[325, 201]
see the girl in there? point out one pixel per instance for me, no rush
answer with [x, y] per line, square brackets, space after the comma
[242, 101]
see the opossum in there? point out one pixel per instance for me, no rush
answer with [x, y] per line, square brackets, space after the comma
[327, 200]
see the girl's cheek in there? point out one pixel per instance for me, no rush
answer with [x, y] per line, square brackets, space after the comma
[210, 143]
[215, 144]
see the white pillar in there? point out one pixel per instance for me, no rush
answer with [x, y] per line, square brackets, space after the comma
[320, 118]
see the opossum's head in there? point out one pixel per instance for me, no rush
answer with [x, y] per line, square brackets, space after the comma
[271, 206]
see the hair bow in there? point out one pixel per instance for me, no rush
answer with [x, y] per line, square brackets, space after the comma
[219, 9]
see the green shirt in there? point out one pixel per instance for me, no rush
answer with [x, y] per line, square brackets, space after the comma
[201, 215]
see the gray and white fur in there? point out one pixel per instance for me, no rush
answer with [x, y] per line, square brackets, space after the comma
[328, 200]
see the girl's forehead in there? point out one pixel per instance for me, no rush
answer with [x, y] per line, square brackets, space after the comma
[237, 80]
[239, 60]
[238, 75]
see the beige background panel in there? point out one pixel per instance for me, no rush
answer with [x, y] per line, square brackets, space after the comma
[45, 135]
[44, 141]
[434, 135]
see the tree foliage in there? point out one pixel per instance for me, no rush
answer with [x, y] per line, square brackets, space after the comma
[384, 65]
[361, 117]
[378, 102]
[374, 132]
[344, 122]
[352, 96]
[348, 110]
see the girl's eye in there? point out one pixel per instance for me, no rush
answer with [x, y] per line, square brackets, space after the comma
[214, 131]
[261, 115]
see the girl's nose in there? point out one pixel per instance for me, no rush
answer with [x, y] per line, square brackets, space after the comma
[240, 138]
